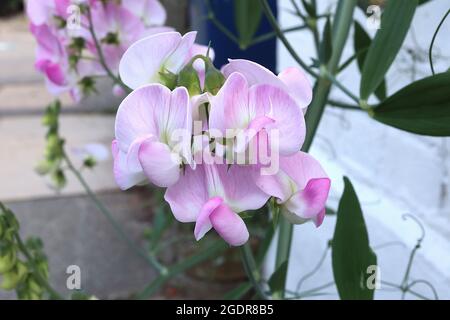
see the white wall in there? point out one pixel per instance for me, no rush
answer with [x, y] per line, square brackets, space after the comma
[395, 172]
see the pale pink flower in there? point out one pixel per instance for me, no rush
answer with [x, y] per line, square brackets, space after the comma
[242, 107]
[148, 123]
[301, 186]
[291, 80]
[212, 196]
[151, 12]
[148, 58]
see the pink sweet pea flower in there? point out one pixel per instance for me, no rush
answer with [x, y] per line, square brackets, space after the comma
[114, 22]
[51, 59]
[301, 187]
[212, 196]
[151, 12]
[40, 11]
[242, 107]
[291, 80]
[145, 146]
[146, 59]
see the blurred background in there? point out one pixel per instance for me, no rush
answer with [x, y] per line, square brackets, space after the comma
[394, 172]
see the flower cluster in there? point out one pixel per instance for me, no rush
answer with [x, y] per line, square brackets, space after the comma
[20, 272]
[221, 142]
[80, 40]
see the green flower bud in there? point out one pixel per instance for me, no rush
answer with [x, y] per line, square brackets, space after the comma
[13, 277]
[33, 286]
[111, 38]
[60, 22]
[214, 79]
[89, 162]
[42, 267]
[188, 78]
[59, 178]
[87, 85]
[77, 44]
[8, 260]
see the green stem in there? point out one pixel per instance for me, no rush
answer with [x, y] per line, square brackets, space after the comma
[343, 105]
[150, 259]
[101, 56]
[182, 266]
[251, 269]
[36, 273]
[430, 51]
[283, 250]
[270, 35]
[273, 21]
[341, 28]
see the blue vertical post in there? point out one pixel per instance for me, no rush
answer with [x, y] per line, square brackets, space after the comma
[263, 53]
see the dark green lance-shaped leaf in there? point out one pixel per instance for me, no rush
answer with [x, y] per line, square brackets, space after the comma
[310, 7]
[325, 49]
[422, 107]
[277, 280]
[248, 15]
[362, 43]
[351, 252]
[395, 23]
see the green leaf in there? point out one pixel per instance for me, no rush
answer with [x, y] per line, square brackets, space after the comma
[310, 8]
[325, 49]
[351, 252]
[277, 280]
[248, 14]
[362, 43]
[395, 23]
[422, 107]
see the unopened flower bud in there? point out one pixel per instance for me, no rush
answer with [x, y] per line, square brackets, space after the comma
[13, 277]
[87, 85]
[59, 178]
[89, 162]
[214, 79]
[8, 260]
[188, 78]
[111, 38]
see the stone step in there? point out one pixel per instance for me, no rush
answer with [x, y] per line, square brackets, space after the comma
[23, 146]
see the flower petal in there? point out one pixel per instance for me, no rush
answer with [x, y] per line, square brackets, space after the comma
[229, 225]
[135, 116]
[187, 197]
[299, 86]
[230, 107]
[143, 60]
[182, 53]
[276, 104]
[203, 223]
[124, 178]
[160, 165]
[310, 202]
[252, 71]
[236, 186]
